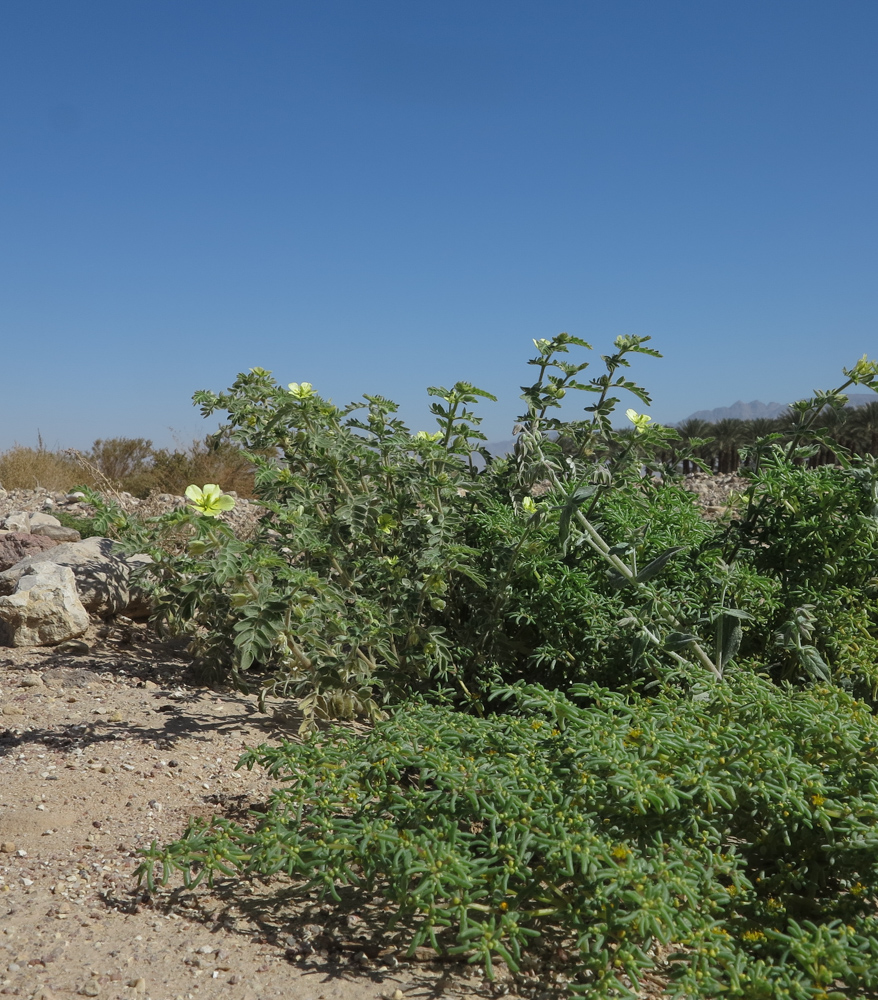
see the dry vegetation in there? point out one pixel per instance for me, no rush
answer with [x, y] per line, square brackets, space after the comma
[130, 464]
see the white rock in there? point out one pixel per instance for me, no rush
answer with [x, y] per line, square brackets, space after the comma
[44, 610]
[47, 519]
[18, 521]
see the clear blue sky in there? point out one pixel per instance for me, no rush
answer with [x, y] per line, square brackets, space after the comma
[378, 196]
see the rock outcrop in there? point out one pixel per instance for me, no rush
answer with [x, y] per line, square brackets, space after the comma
[17, 545]
[102, 575]
[44, 608]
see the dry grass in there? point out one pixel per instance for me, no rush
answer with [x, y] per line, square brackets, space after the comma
[129, 464]
[24, 468]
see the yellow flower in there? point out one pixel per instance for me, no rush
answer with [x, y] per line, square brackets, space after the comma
[301, 390]
[640, 420]
[210, 500]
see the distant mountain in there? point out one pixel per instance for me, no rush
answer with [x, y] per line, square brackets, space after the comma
[737, 411]
[740, 411]
[768, 411]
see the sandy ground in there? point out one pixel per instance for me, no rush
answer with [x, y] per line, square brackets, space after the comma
[99, 755]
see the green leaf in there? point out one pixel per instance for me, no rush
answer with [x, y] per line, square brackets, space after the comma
[658, 564]
[730, 642]
[679, 640]
[814, 663]
[574, 501]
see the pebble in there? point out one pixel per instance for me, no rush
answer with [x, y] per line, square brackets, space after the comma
[73, 647]
[7, 847]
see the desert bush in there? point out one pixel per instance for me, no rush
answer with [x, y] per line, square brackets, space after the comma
[204, 461]
[724, 837]
[701, 804]
[392, 563]
[120, 459]
[24, 468]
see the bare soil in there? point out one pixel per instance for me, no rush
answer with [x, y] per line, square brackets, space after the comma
[103, 753]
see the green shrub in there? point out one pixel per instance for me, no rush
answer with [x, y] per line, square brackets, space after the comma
[734, 827]
[393, 563]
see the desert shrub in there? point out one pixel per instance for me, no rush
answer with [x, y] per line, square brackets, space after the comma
[204, 461]
[393, 562]
[701, 804]
[132, 465]
[26, 468]
[724, 837]
[121, 459]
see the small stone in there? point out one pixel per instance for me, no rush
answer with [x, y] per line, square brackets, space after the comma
[424, 954]
[30, 680]
[90, 990]
[7, 847]
[73, 647]
[138, 984]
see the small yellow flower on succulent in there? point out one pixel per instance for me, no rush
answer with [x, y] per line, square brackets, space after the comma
[209, 500]
[301, 390]
[640, 420]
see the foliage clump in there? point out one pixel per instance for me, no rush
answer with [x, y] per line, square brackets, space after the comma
[701, 802]
[725, 838]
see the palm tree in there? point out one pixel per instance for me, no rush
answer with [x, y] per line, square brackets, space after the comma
[863, 429]
[690, 429]
[730, 434]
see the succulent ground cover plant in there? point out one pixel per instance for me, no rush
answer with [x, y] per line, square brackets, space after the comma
[599, 720]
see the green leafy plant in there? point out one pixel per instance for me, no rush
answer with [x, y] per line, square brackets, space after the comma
[725, 841]
[700, 805]
[392, 562]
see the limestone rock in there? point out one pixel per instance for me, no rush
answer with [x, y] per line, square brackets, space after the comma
[44, 609]
[17, 545]
[101, 576]
[48, 520]
[17, 521]
[57, 532]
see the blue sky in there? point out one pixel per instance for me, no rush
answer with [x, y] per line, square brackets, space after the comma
[379, 196]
